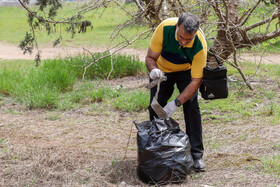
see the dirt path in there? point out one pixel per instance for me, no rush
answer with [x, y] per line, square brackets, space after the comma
[9, 51]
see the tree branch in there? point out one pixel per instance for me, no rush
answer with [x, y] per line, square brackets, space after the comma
[122, 8]
[175, 9]
[159, 6]
[181, 5]
[261, 38]
[246, 19]
[261, 22]
[231, 42]
[38, 17]
[243, 16]
[217, 9]
[67, 20]
[139, 5]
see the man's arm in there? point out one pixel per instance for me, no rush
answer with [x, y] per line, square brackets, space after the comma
[190, 90]
[151, 59]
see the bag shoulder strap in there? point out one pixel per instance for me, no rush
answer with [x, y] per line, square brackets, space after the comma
[210, 50]
[218, 61]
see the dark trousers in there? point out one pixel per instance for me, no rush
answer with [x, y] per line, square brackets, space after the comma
[191, 109]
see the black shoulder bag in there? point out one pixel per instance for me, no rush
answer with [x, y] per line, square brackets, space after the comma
[214, 83]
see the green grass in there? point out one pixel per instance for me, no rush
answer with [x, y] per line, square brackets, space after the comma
[213, 143]
[104, 21]
[116, 67]
[271, 165]
[94, 93]
[132, 101]
[51, 85]
[2, 141]
[14, 26]
[117, 97]
[56, 84]
[16, 64]
[272, 46]
[243, 104]
[40, 87]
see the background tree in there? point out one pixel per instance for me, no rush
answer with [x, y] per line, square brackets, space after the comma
[229, 25]
[235, 32]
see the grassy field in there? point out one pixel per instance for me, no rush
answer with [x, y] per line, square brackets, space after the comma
[104, 21]
[14, 26]
[81, 132]
[59, 130]
[53, 84]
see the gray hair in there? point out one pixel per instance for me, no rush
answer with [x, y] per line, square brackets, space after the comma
[190, 22]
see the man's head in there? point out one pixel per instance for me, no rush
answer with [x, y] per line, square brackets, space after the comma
[186, 28]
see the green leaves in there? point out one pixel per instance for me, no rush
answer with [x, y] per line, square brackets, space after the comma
[27, 44]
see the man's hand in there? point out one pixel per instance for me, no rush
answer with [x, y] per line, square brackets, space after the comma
[156, 73]
[170, 108]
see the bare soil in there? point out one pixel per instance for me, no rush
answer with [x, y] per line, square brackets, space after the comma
[97, 147]
[9, 51]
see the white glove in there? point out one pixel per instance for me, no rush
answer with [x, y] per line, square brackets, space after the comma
[170, 108]
[156, 73]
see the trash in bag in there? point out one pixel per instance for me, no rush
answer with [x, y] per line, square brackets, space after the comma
[163, 152]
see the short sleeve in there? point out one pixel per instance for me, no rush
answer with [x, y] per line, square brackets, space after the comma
[157, 39]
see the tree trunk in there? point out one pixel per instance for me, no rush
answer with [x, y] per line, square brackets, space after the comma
[222, 45]
[164, 12]
[152, 12]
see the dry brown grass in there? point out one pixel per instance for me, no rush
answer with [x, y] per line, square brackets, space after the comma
[86, 147]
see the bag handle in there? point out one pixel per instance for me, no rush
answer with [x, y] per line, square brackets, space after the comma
[218, 61]
[210, 50]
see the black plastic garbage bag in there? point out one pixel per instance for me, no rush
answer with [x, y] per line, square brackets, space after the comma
[163, 152]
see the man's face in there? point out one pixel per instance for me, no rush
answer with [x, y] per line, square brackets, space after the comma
[183, 37]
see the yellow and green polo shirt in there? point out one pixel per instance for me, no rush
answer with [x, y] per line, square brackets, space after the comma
[172, 58]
